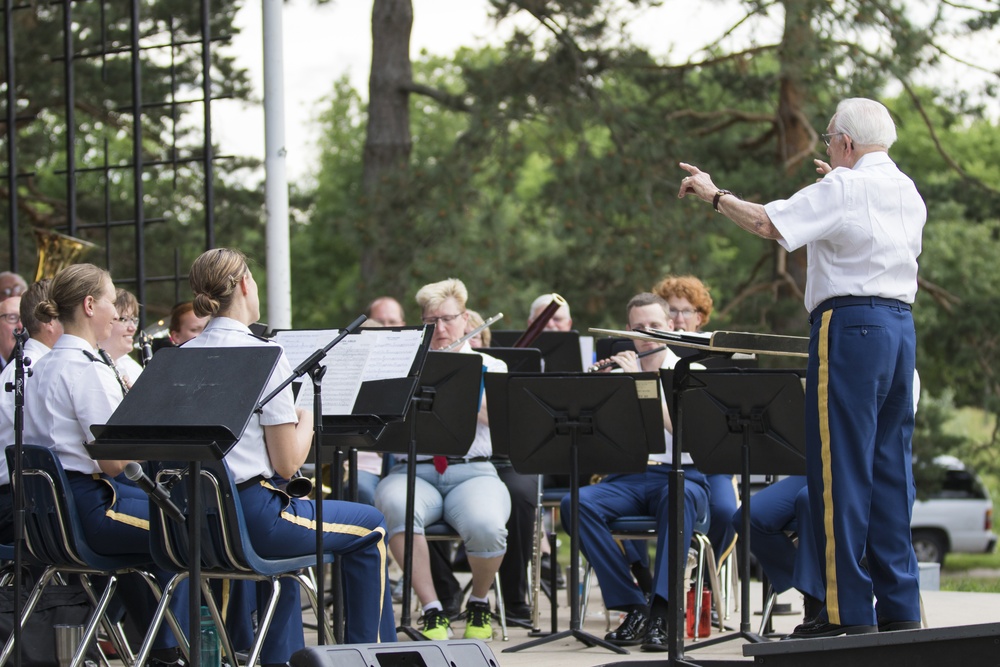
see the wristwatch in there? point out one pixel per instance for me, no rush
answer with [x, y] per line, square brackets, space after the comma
[719, 195]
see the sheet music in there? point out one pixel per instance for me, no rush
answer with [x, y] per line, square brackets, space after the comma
[360, 357]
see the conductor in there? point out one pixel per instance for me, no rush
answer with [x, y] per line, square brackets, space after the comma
[861, 223]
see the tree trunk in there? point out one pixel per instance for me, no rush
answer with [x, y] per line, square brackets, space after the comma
[387, 143]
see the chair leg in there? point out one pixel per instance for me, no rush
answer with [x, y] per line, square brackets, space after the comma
[29, 608]
[308, 583]
[264, 622]
[114, 630]
[714, 585]
[501, 607]
[90, 630]
[163, 610]
[765, 616]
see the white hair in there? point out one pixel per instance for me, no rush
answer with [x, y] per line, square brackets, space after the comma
[866, 121]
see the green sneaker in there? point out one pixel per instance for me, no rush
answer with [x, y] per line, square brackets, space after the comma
[437, 627]
[477, 621]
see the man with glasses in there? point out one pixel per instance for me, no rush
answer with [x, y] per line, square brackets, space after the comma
[10, 319]
[11, 284]
[466, 491]
[862, 223]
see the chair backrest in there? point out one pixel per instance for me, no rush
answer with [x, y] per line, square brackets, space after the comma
[224, 540]
[52, 527]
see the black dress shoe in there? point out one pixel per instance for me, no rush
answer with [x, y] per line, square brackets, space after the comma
[632, 631]
[824, 628]
[518, 612]
[893, 626]
[656, 636]
[811, 609]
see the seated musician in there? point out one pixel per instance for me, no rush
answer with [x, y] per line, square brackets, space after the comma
[122, 339]
[277, 441]
[43, 336]
[636, 494]
[466, 493]
[561, 320]
[72, 389]
[690, 309]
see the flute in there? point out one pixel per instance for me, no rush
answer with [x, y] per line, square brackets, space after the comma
[458, 343]
[609, 364]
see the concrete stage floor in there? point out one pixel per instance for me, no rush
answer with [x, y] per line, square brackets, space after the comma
[942, 609]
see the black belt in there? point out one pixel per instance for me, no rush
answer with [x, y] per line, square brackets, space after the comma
[252, 482]
[841, 301]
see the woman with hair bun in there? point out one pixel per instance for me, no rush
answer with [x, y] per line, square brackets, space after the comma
[277, 442]
[72, 389]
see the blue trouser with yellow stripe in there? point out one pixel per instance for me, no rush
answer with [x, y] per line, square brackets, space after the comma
[115, 519]
[280, 526]
[859, 425]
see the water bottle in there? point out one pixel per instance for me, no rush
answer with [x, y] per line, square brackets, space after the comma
[209, 650]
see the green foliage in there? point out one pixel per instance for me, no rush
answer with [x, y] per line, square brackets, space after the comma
[171, 138]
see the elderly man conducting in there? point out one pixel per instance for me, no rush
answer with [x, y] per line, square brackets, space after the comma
[861, 224]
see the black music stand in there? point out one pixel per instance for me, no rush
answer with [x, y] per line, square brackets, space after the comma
[560, 349]
[377, 403]
[748, 422]
[188, 405]
[442, 422]
[577, 424]
[518, 359]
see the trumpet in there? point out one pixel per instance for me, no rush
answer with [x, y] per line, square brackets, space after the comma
[472, 334]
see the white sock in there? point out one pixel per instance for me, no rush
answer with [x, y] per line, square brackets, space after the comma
[433, 605]
[473, 598]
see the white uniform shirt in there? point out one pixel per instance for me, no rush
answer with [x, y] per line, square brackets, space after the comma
[66, 395]
[482, 445]
[248, 457]
[861, 228]
[668, 456]
[128, 368]
[33, 350]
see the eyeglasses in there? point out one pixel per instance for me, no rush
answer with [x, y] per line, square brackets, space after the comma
[134, 321]
[442, 318]
[11, 318]
[828, 137]
[686, 313]
[8, 292]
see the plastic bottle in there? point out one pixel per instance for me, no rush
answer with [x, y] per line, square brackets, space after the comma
[209, 650]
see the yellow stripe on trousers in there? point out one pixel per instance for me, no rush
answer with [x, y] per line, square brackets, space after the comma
[348, 529]
[823, 398]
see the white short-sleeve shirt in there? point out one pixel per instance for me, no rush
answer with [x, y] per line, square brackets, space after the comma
[862, 231]
[67, 394]
[248, 457]
[33, 350]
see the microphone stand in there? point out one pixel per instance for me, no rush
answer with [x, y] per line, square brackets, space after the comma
[21, 371]
[312, 366]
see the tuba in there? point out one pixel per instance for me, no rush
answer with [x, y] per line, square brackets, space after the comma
[57, 251]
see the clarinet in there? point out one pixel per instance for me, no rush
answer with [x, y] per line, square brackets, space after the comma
[114, 369]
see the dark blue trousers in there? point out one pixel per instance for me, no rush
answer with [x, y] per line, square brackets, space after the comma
[115, 518]
[776, 511]
[280, 526]
[859, 425]
[645, 493]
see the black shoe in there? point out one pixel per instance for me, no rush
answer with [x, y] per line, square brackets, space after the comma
[823, 628]
[546, 568]
[518, 613]
[656, 636]
[632, 631]
[811, 609]
[893, 626]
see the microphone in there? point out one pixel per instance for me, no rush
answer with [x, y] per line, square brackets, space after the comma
[155, 492]
[146, 351]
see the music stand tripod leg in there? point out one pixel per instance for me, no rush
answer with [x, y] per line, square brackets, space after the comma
[575, 630]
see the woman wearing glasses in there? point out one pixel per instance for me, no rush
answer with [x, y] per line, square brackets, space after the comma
[72, 388]
[690, 309]
[276, 442]
[121, 342]
[466, 492]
